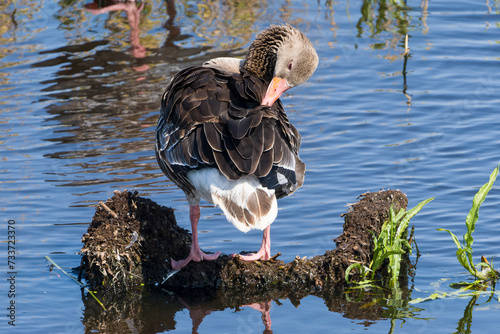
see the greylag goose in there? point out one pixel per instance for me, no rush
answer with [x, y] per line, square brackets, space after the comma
[224, 136]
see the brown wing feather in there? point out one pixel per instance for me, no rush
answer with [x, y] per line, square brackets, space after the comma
[211, 119]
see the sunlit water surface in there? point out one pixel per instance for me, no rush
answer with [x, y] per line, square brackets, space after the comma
[79, 99]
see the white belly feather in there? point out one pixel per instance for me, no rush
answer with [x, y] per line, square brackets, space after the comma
[245, 202]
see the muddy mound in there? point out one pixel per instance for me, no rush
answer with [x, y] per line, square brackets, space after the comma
[131, 240]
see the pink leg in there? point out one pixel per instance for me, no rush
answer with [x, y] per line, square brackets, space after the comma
[195, 254]
[264, 252]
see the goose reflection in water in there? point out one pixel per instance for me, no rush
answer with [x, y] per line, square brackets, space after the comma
[198, 313]
[133, 10]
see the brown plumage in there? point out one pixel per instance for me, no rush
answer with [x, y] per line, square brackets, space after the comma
[223, 135]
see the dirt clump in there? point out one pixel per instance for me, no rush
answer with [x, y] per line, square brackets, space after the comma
[128, 242]
[112, 260]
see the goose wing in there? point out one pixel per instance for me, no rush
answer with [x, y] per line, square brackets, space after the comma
[213, 119]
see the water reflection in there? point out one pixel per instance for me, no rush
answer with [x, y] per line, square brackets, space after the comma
[153, 311]
[388, 25]
[106, 98]
[228, 24]
[15, 30]
[465, 323]
[387, 22]
[157, 311]
[133, 11]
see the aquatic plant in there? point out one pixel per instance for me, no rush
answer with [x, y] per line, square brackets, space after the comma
[390, 243]
[464, 251]
[391, 240]
[486, 273]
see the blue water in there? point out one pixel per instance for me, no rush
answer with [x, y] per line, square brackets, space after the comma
[79, 98]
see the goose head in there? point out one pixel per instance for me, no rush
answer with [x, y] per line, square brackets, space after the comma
[284, 57]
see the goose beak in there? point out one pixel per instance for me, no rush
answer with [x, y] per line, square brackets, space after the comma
[277, 87]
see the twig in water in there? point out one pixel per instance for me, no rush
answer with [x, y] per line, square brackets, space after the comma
[405, 85]
[407, 49]
[74, 279]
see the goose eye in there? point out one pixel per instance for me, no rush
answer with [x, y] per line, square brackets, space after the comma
[290, 66]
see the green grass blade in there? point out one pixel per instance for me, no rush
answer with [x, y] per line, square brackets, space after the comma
[409, 215]
[464, 249]
[412, 212]
[473, 215]
[381, 258]
[76, 281]
[462, 258]
[361, 268]
[454, 237]
[400, 215]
